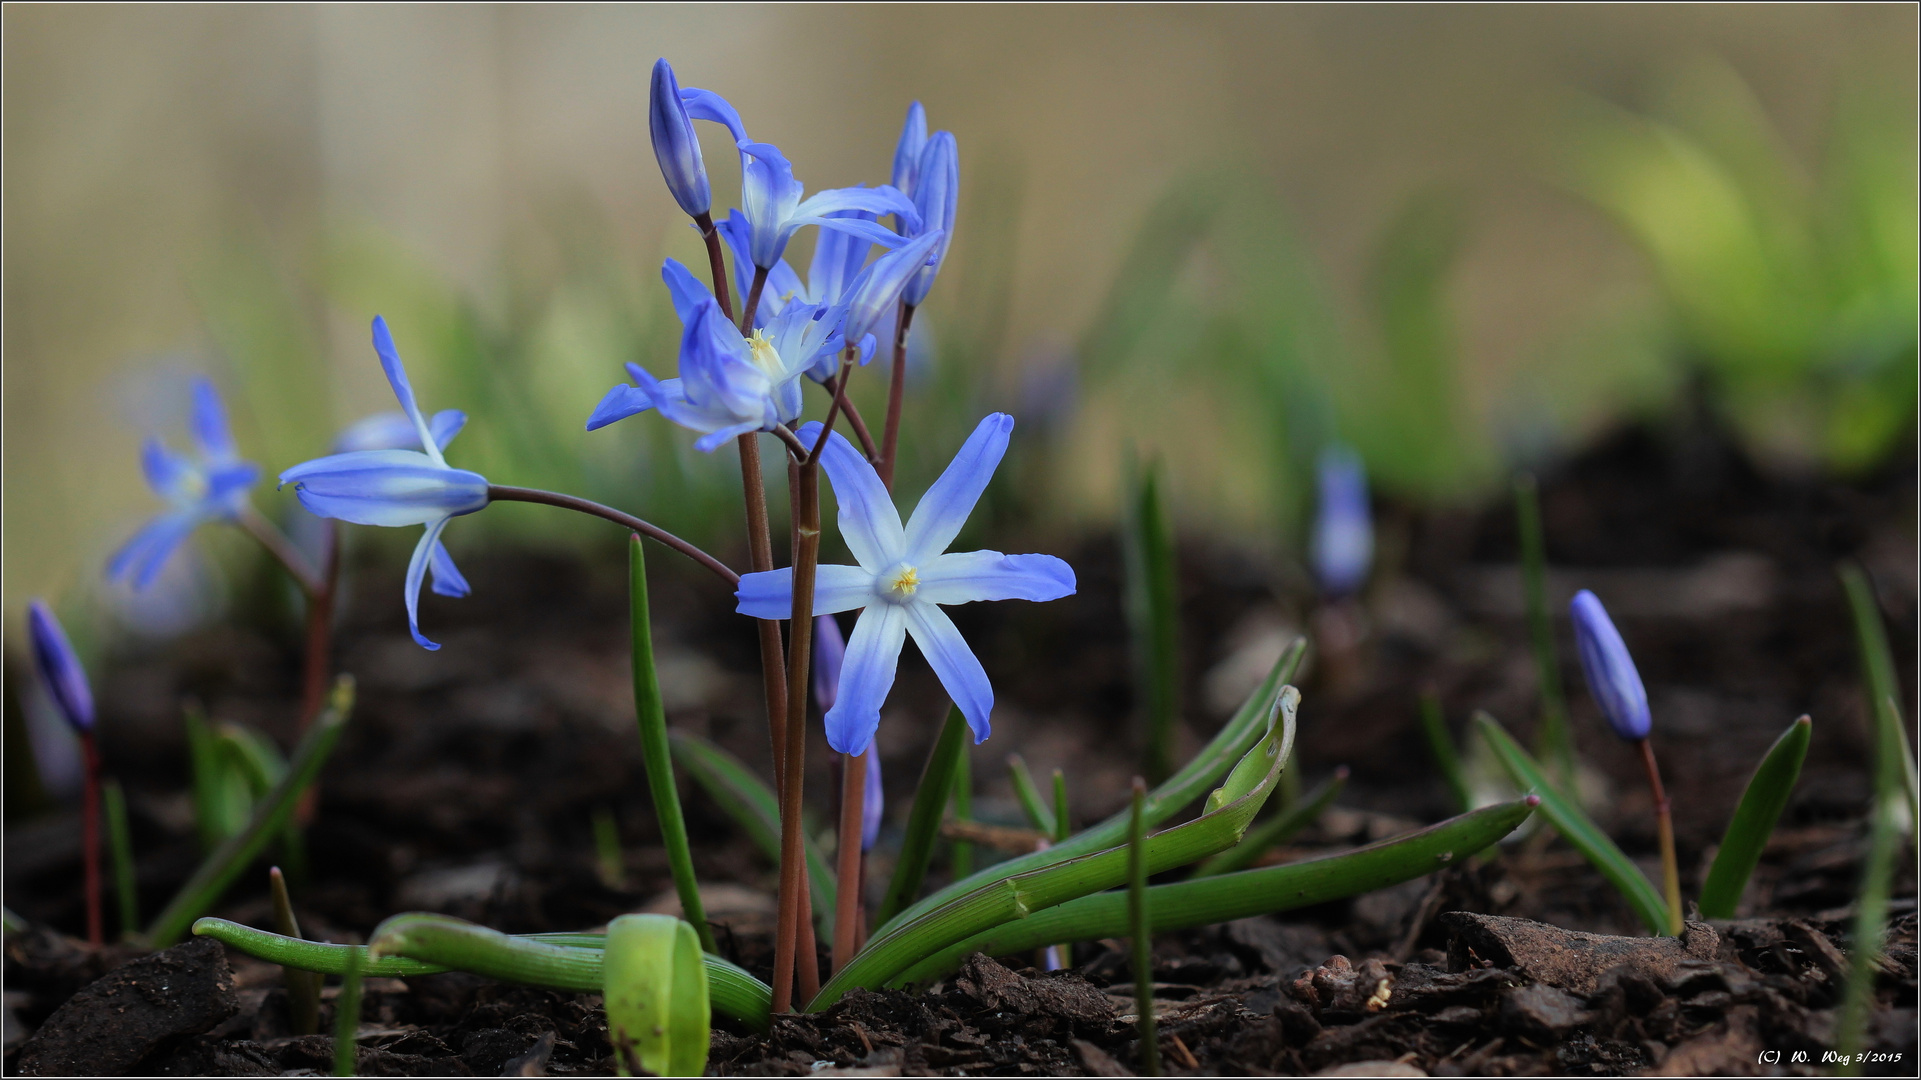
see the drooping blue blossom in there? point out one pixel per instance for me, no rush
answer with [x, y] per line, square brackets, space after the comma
[873, 804]
[1342, 546]
[770, 197]
[210, 486]
[395, 431]
[395, 487]
[59, 668]
[675, 145]
[903, 577]
[1611, 675]
[936, 195]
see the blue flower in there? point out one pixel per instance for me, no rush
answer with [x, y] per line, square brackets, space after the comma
[770, 197]
[1342, 546]
[903, 578]
[211, 487]
[675, 145]
[936, 195]
[830, 649]
[907, 152]
[728, 385]
[395, 431]
[874, 802]
[396, 487]
[1611, 676]
[60, 670]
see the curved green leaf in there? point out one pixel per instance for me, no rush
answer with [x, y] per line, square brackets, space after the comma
[751, 804]
[1276, 829]
[923, 821]
[656, 997]
[1761, 805]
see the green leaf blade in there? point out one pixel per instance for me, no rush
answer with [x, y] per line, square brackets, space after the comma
[1753, 821]
[923, 820]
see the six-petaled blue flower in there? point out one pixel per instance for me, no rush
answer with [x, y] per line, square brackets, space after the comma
[903, 578]
[1611, 676]
[59, 668]
[396, 487]
[1342, 547]
[210, 487]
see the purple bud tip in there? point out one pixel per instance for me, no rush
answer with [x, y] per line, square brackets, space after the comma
[1611, 675]
[1532, 800]
[873, 805]
[59, 669]
[829, 649]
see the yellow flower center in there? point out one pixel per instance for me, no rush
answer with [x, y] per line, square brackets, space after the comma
[902, 582]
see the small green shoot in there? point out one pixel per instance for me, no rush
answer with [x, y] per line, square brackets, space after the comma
[1153, 614]
[1447, 757]
[303, 987]
[749, 801]
[1884, 690]
[609, 864]
[1871, 908]
[656, 995]
[347, 1012]
[1577, 829]
[1553, 742]
[1141, 932]
[1753, 822]
[961, 854]
[120, 841]
[944, 764]
[1029, 794]
[1063, 825]
[1278, 829]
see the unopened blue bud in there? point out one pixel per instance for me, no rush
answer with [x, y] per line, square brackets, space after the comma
[675, 146]
[907, 153]
[874, 803]
[936, 195]
[830, 648]
[1343, 543]
[1611, 676]
[60, 670]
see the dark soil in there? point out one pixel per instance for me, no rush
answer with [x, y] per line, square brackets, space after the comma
[469, 778]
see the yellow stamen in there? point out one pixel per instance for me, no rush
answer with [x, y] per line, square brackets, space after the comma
[906, 580]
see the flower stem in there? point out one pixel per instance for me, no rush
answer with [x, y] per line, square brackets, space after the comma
[282, 549]
[303, 987]
[753, 301]
[853, 798]
[799, 650]
[855, 421]
[502, 493]
[896, 390]
[1664, 827]
[90, 836]
[716, 265]
[760, 556]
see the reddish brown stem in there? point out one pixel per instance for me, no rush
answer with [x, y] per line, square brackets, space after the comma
[90, 837]
[799, 653]
[760, 555]
[753, 301]
[896, 391]
[1664, 829]
[503, 493]
[855, 421]
[853, 798]
[716, 264]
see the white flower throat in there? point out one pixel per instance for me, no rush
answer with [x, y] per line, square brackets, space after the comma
[900, 583]
[765, 356]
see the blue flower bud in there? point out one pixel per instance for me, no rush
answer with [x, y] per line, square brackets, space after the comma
[60, 670]
[936, 194]
[874, 803]
[1611, 676]
[907, 153]
[830, 648]
[675, 146]
[1342, 546]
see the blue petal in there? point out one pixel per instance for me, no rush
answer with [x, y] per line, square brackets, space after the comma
[60, 671]
[945, 507]
[720, 437]
[884, 199]
[878, 289]
[964, 577]
[873, 804]
[959, 669]
[385, 487]
[445, 425]
[686, 291]
[675, 145]
[210, 431]
[227, 487]
[868, 521]
[769, 594]
[838, 257]
[619, 403]
[867, 674]
[403, 390]
[830, 650]
[937, 197]
[1342, 545]
[707, 105]
[907, 153]
[141, 557]
[446, 577]
[416, 571]
[167, 473]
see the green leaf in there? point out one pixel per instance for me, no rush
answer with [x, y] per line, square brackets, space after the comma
[1446, 757]
[1153, 613]
[651, 715]
[120, 842]
[1275, 830]
[923, 821]
[1552, 742]
[270, 817]
[655, 988]
[1761, 805]
[1884, 693]
[1576, 828]
[751, 804]
[1029, 794]
[1230, 808]
[1224, 897]
[347, 1011]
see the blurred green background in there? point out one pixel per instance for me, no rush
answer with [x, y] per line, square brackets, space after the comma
[1463, 239]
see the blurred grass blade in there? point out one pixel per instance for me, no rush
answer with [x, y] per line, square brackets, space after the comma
[1242, 731]
[570, 961]
[1576, 828]
[1140, 930]
[1014, 895]
[1029, 794]
[303, 987]
[608, 860]
[656, 997]
[270, 816]
[347, 1012]
[1871, 908]
[120, 841]
[1553, 742]
[937, 781]
[1206, 901]
[1277, 829]
[1753, 822]
[651, 715]
[1063, 825]
[1884, 689]
[1153, 615]
[961, 862]
[1447, 757]
[751, 804]
[209, 777]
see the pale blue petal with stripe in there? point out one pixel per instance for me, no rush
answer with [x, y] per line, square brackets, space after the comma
[769, 594]
[866, 675]
[868, 521]
[946, 506]
[966, 577]
[416, 573]
[960, 671]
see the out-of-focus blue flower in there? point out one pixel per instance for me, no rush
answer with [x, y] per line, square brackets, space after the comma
[830, 648]
[873, 805]
[904, 576]
[770, 197]
[675, 145]
[728, 385]
[60, 671]
[936, 194]
[211, 487]
[1343, 543]
[396, 487]
[1611, 676]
